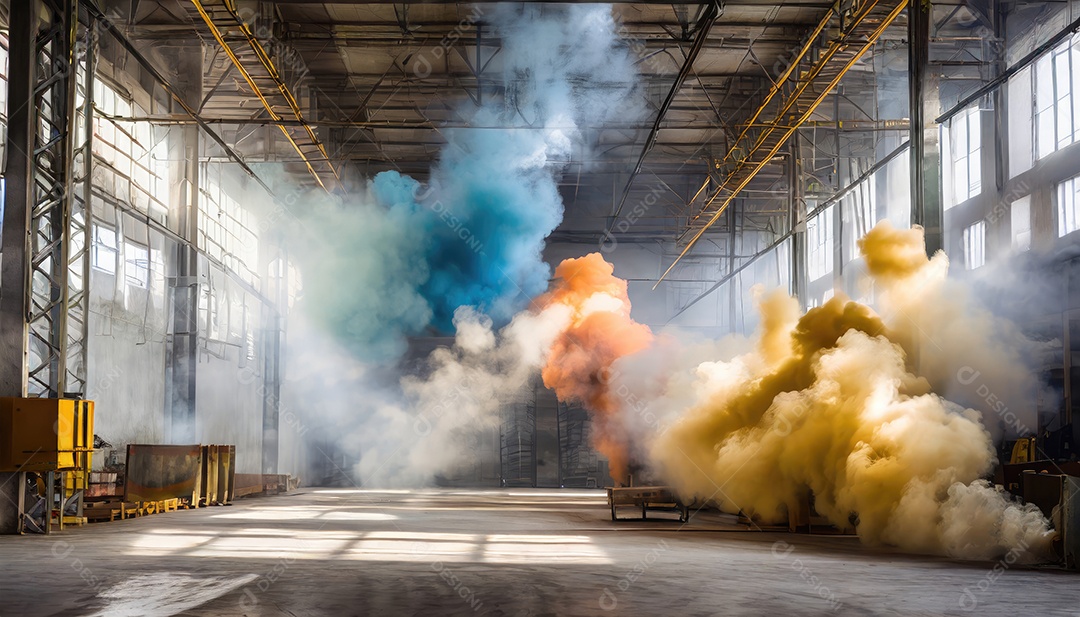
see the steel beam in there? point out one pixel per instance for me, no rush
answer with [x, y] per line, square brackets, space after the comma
[38, 261]
[51, 217]
[836, 197]
[807, 92]
[797, 208]
[273, 331]
[317, 162]
[18, 191]
[40, 276]
[77, 311]
[709, 13]
[182, 341]
[926, 207]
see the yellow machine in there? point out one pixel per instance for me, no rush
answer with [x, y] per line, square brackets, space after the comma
[48, 436]
[1023, 451]
[43, 434]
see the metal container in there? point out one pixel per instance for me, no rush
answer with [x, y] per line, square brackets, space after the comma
[158, 472]
[43, 434]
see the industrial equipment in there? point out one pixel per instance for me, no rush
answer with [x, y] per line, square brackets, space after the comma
[1069, 525]
[44, 434]
[1055, 494]
[218, 474]
[1023, 451]
[197, 475]
[155, 472]
[655, 498]
[48, 437]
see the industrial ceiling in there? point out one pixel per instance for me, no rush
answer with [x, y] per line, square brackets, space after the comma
[340, 91]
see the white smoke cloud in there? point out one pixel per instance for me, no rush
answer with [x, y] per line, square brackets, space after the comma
[402, 259]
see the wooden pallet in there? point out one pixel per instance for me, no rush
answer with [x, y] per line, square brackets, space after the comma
[146, 508]
[97, 511]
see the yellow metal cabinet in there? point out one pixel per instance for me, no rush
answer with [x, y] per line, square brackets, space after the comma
[39, 434]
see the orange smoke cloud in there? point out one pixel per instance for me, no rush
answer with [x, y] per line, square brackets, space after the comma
[600, 331]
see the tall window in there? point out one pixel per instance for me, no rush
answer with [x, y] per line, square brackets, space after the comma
[131, 165]
[859, 207]
[1057, 97]
[819, 243]
[965, 139]
[226, 230]
[1020, 215]
[1068, 206]
[1021, 146]
[103, 251]
[975, 245]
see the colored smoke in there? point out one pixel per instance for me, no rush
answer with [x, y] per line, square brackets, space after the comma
[401, 257]
[599, 332]
[832, 402]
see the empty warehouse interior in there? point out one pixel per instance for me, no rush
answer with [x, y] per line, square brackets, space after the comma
[530, 308]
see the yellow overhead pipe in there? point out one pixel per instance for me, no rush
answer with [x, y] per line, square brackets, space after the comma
[264, 58]
[806, 114]
[700, 190]
[801, 85]
[255, 88]
[787, 73]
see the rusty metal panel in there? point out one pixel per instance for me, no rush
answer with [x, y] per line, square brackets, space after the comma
[1009, 475]
[210, 465]
[1043, 490]
[157, 472]
[1070, 522]
[226, 473]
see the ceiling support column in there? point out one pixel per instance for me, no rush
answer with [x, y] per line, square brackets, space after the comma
[926, 206]
[182, 342]
[797, 208]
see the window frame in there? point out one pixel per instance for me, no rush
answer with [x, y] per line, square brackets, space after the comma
[974, 239]
[96, 245]
[1067, 206]
[1064, 98]
[137, 269]
[966, 127]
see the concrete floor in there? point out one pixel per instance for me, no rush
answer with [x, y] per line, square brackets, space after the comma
[512, 552]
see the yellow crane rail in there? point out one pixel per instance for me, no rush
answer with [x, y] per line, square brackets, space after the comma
[733, 185]
[275, 75]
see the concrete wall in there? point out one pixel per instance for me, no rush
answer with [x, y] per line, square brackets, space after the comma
[129, 332]
[132, 320]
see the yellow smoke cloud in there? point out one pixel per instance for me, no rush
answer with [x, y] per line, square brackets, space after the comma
[832, 402]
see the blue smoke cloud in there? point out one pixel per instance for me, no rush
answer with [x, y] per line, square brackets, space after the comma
[399, 260]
